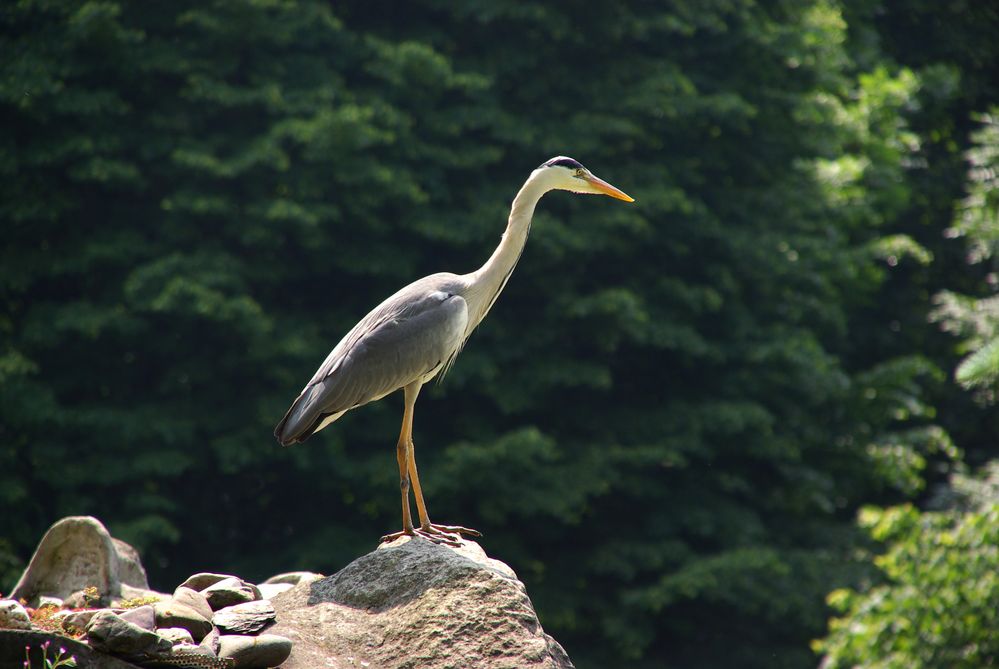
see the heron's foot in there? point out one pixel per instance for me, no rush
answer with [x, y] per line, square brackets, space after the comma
[448, 535]
[454, 530]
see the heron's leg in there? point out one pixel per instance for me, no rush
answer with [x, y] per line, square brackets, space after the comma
[414, 476]
[425, 525]
[402, 456]
[436, 532]
[408, 475]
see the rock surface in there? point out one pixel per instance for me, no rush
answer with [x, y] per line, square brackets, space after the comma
[248, 618]
[203, 579]
[255, 652]
[78, 552]
[413, 603]
[293, 578]
[230, 591]
[173, 614]
[13, 616]
[176, 635]
[75, 621]
[272, 590]
[110, 633]
[193, 599]
[143, 616]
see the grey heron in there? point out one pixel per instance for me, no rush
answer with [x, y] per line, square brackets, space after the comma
[417, 333]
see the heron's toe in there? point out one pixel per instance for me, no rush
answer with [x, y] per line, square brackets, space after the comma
[456, 530]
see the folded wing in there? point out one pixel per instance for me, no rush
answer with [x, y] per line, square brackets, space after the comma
[408, 337]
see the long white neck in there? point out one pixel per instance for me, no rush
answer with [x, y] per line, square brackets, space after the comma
[485, 284]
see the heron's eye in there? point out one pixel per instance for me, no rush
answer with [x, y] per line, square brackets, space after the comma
[580, 172]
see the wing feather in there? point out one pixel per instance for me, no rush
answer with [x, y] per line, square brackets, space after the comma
[409, 336]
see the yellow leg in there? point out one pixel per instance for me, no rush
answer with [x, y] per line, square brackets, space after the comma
[402, 451]
[414, 476]
[408, 475]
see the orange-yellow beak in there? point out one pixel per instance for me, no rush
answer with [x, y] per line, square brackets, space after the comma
[607, 189]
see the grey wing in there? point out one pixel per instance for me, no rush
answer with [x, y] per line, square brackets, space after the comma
[408, 337]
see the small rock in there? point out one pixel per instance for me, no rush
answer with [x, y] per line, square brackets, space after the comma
[143, 616]
[229, 592]
[129, 594]
[268, 590]
[48, 600]
[202, 580]
[84, 599]
[211, 641]
[109, 633]
[170, 613]
[176, 635]
[294, 577]
[255, 652]
[248, 618]
[194, 599]
[13, 616]
[74, 621]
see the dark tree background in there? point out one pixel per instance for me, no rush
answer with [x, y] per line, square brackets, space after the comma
[670, 419]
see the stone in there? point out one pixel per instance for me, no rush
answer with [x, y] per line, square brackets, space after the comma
[171, 613]
[176, 635]
[202, 580]
[293, 578]
[211, 641]
[143, 616]
[130, 569]
[230, 591]
[413, 603]
[246, 618]
[46, 600]
[74, 621]
[77, 552]
[109, 633]
[269, 590]
[128, 594]
[255, 652]
[84, 599]
[278, 583]
[13, 616]
[13, 643]
[194, 599]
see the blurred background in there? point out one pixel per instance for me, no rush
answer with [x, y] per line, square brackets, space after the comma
[744, 422]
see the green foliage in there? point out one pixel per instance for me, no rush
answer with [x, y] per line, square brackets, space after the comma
[669, 417]
[936, 606]
[976, 320]
[936, 603]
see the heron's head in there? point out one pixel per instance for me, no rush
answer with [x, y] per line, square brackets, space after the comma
[564, 173]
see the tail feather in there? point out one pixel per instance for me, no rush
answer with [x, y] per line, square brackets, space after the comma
[304, 418]
[300, 421]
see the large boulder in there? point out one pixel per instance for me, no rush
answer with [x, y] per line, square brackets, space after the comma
[413, 603]
[76, 553]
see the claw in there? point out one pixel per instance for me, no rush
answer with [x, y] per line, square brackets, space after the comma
[448, 535]
[455, 529]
